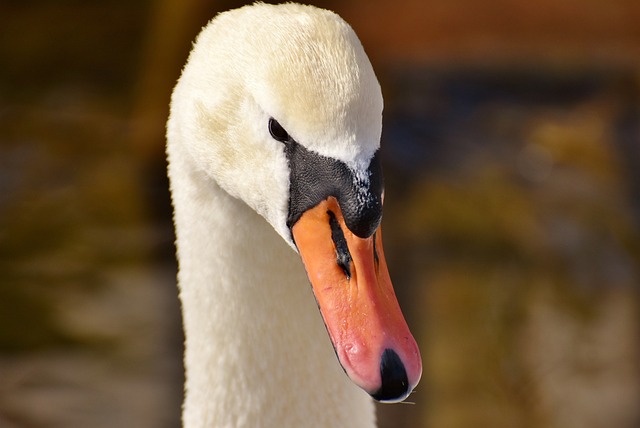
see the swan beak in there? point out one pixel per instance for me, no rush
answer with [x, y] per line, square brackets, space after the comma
[353, 289]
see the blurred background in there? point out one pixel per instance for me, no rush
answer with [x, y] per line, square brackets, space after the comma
[512, 163]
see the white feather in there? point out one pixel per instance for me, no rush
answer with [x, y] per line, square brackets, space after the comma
[257, 353]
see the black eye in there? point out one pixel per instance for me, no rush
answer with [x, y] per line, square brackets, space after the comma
[277, 131]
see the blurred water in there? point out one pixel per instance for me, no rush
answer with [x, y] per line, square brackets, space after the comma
[90, 326]
[516, 223]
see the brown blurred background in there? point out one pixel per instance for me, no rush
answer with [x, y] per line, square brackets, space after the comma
[512, 217]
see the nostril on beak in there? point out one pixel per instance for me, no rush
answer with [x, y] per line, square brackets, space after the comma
[395, 384]
[343, 256]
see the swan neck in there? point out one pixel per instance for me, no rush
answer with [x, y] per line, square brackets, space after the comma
[256, 350]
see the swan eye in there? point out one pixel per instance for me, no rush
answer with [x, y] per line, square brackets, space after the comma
[277, 131]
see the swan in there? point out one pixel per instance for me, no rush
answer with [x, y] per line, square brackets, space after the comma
[272, 143]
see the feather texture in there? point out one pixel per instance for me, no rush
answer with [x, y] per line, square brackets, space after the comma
[257, 353]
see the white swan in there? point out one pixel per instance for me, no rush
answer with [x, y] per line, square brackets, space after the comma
[277, 117]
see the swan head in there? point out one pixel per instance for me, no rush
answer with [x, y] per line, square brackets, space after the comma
[279, 105]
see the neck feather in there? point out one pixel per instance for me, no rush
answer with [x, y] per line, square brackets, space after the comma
[256, 353]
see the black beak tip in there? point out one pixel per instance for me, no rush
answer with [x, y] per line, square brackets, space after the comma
[395, 384]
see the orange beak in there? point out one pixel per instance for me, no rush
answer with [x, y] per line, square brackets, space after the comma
[353, 289]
